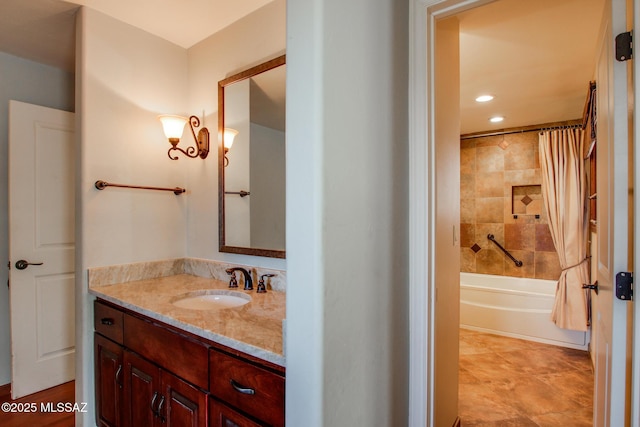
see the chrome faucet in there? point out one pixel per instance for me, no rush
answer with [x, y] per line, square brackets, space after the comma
[248, 281]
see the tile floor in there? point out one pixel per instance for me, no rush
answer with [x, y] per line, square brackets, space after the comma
[510, 382]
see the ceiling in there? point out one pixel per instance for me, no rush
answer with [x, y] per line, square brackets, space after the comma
[43, 30]
[40, 30]
[535, 57]
[183, 22]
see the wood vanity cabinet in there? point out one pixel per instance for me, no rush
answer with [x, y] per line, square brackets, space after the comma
[141, 385]
[155, 397]
[151, 374]
[108, 323]
[108, 365]
[223, 416]
[251, 388]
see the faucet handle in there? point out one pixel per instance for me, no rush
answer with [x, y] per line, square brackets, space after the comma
[261, 286]
[233, 282]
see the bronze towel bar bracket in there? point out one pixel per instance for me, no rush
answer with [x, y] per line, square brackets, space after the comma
[240, 193]
[518, 263]
[101, 185]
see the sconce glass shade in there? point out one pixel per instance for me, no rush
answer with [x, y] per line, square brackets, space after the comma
[173, 126]
[229, 136]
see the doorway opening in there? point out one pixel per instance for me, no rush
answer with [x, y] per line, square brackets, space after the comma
[516, 78]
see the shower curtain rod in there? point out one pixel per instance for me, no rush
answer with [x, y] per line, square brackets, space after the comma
[512, 131]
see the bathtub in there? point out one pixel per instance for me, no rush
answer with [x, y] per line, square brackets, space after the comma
[514, 307]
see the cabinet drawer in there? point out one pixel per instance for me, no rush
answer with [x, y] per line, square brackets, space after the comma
[174, 352]
[222, 416]
[107, 321]
[250, 388]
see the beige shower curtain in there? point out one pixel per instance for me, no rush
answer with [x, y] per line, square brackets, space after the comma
[564, 191]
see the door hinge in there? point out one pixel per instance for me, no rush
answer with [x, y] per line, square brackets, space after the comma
[624, 286]
[624, 46]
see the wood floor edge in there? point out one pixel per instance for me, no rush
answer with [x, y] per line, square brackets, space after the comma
[5, 389]
[457, 422]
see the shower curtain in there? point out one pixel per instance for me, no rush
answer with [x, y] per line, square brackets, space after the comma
[564, 191]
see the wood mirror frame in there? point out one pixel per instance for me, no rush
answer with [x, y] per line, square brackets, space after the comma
[223, 246]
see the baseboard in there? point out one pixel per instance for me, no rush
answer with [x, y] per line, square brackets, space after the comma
[457, 422]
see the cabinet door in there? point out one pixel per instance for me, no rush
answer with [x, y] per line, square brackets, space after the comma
[183, 405]
[142, 392]
[223, 416]
[108, 371]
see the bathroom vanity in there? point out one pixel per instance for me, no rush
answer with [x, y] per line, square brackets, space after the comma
[157, 364]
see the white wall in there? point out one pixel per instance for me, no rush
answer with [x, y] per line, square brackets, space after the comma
[347, 212]
[125, 78]
[31, 82]
[247, 42]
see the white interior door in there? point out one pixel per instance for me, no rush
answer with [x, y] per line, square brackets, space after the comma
[609, 316]
[41, 230]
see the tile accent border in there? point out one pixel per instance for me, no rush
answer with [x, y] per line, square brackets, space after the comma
[114, 274]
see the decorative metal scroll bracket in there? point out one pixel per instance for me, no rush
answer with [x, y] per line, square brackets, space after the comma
[517, 262]
[101, 185]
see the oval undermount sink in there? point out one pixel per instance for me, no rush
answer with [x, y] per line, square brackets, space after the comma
[211, 300]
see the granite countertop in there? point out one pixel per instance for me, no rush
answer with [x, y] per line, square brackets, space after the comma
[254, 328]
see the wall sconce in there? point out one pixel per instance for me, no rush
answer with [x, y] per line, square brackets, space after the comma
[227, 142]
[173, 127]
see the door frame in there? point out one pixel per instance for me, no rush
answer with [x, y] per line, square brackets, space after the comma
[422, 16]
[635, 364]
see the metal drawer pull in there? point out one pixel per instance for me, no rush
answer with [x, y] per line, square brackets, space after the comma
[106, 321]
[153, 404]
[240, 389]
[160, 405]
[118, 377]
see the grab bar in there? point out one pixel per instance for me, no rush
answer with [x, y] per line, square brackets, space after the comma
[518, 263]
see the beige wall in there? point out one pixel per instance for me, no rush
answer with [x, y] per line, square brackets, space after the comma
[247, 42]
[347, 213]
[125, 77]
[490, 166]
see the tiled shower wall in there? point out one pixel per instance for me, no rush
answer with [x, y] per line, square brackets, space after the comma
[490, 166]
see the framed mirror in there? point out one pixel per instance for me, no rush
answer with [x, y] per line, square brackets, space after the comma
[251, 160]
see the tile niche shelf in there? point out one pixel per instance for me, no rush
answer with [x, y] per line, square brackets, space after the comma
[526, 200]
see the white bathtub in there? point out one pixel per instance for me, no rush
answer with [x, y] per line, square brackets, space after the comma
[514, 307]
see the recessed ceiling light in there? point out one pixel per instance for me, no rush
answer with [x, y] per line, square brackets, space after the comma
[484, 98]
[496, 119]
